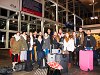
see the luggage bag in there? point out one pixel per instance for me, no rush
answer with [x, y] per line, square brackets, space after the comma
[62, 59]
[86, 60]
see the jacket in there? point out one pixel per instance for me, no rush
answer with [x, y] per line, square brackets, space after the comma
[46, 43]
[69, 45]
[92, 41]
[24, 45]
[15, 45]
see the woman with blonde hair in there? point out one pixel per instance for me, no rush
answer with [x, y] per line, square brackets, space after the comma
[69, 46]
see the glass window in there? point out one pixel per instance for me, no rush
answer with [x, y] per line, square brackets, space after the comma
[2, 23]
[23, 26]
[3, 12]
[2, 39]
[32, 27]
[13, 25]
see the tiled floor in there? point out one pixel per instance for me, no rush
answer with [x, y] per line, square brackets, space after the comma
[6, 61]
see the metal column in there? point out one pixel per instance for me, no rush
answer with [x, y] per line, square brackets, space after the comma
[42, 21]
[19, 21]
[57, 16]
[28, 28]
[67, 13]
[74, 22]
[7, 29]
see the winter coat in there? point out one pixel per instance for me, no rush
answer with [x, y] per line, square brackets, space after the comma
[92, 41]
[24, 45]
[15, 46]
[69, 45]
[46, 43]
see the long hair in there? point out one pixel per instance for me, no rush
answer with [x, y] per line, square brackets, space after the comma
[66, 38]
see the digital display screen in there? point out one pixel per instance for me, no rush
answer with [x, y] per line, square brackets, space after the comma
[32, 6]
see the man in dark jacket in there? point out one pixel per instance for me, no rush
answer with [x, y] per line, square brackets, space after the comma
[89, 40]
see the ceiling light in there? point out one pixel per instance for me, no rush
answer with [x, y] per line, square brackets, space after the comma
[91, 18]
[23, 15]
[96, 17]
[13, 21]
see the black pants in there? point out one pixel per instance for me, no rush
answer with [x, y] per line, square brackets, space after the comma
[71, 57]
[14, 57]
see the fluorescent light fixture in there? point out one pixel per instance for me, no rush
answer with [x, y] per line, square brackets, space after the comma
[93, 17]
[96, 17]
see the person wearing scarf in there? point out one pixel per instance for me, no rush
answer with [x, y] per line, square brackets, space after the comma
[15, 43]
[46, 44]
[40, 53]
[24, 47]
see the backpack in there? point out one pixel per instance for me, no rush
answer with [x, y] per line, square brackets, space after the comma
[28, 65]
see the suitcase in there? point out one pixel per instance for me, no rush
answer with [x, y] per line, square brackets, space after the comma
[6, 71]
[86, 60]
[28, 65]
[62, 59]
[20, 66]
[51, 57]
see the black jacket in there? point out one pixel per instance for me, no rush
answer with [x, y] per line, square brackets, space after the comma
[92, 41]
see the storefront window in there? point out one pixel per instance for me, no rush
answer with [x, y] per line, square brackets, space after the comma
[13, 25]
[2, 39]
[23, 26]
[2, 23]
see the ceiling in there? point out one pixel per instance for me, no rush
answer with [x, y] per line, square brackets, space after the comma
[87, 2]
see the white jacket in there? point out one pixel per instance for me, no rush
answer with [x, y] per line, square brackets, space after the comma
[69, 45]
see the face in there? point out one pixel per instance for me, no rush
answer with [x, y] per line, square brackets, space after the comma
[40, 33]
[30, 33]
[24, 33]
[49, 31]
[60, 30]
[67, 34]
[39, 37]
[35, 33]
[55, 33]
[45, 34]
[88, 32]
[18, 34]
[80, 29]
[74, 34]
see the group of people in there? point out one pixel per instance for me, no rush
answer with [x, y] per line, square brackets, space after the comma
[35, 46]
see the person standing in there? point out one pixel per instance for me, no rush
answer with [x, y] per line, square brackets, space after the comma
[15, 43]
[30, 52]
[34, 45]
[77, 48]
[89, 41]
[40, 52]
[61, 36]
[24, 47]
[50, 35]
[69, 47]
[55, 41]
[81, 37]
[46, 44]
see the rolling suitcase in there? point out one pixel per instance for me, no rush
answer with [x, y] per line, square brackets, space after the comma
[62, 59]
[86, 60]
[51, 57]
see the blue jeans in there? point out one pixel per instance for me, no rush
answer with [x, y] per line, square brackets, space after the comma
[29, 52]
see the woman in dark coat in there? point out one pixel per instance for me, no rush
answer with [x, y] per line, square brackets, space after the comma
[40, 53]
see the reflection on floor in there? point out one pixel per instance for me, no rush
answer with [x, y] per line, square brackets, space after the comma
[5, 60]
